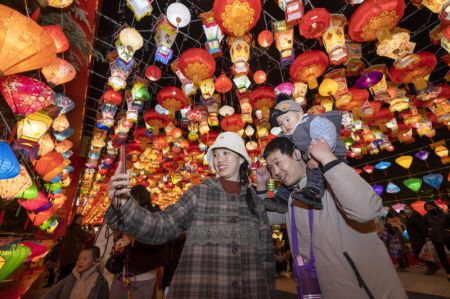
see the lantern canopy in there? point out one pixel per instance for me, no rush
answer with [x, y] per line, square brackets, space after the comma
[236, 17]
[25, 45]
[9, 166]
[178, 15]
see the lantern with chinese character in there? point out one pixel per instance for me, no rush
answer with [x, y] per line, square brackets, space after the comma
[236, 17]
[416, 72]
[197, 64]
[334, 40]
[25, 95]
[213, 33]
[284, 37]
[240, 53]
[314, 23]
[9, 188]
[294, 11]
[263, 99]
[164, 38]
[308, 66]
[32, 127]
[59, 72]
[25, 45]
[58, 36]
[140, 8]
[259, 77]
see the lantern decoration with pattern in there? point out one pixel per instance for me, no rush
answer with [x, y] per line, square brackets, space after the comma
[232, 123]
[64, 102]
[374, 17]
[263, 99]
[355, 65]
[259, 77]
[155, 121]
[416, 72]
[164, 38]
[286, 88]
[213, 33]
[58, 36]
[36, 203]
[314, 23]
[153, 73]
[207, 88]
[25, 95]
[197, 64]
[140, 8]
[299, 94]
[13, 256]
[265, 38]
[172, 99]
[334, 40]
[128, 42]
[394, 44]
[293, 11]
[60, 123]
[10, 188]
[236, 17]
[31, 128]
[240, 53]
[25, 46]
[9, 166]
[284, 38]
[308, 66]
[120, 70]
[223, 84]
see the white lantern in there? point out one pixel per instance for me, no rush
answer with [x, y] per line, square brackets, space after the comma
[178, 15]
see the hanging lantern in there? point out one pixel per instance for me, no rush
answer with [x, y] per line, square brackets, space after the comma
[265, 38]
[46, 145]
[246, 109]
[378, 189]
[413, 184]
[354, 66]
[172, 99]
[368, 169]
[10, 188]
[207, 88]
[25, 46]
[140, 8]
[35, 203]
[131, 40]
[13, 255]
[58, 36]
[392, 188]
[441, 151]
[155, 121]
[236, 17]
[434, 180]
[240, 53]
[212, 32]
[64, 102]
[422, 155]
[286, 88]
[31, 128]
[197, 64]
[25, 95]
[242, 82]
[314, 23]
[112, 97]
[56, 3]
[63, 146]
[328, 87]
[60, 123]
[259, 77]
[232, 123]
[299, 94]
[178, 15]
[39, 218]
[153, 73]
[50, 165]
[139, 93]
[263, 99]
[223, 84]
[415, 72]
[164, 38]
[419, 207]
[284, 37]
[334, 40]
[294, 11]
[404, 161]
[434, 5]
[308, 66]
[9, 166]
[30, 193]
[120, 70]
[383, 165]
[394, 44]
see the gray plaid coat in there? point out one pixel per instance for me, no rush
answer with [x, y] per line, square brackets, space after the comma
[228, 251]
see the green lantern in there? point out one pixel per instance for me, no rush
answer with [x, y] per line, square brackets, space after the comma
[140, 93]
[30, 193]
[48, 222]
[13, 256]
[413, 184]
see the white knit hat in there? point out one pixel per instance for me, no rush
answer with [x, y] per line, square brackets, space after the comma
[228, 140]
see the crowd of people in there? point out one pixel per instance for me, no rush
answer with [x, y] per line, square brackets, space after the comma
[336, 249]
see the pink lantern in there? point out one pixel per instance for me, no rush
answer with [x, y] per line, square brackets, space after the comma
[26, 95]
[36, 249]
[399, 207]
[34, 204]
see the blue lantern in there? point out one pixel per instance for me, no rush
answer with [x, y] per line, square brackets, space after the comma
[383, 165]
[64, 102]
[392, 188]
[378, 189]
[60, 136]
[9, 166]
[434, 180]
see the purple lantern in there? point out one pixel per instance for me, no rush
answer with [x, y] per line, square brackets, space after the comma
[378, 189]
[368, 80]
[422, 155]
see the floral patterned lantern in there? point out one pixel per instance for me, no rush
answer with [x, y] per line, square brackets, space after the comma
[58, 36]
[9, 166]
[172, 99]
[236, 17]
[140, 8]
[31, 128]
[64, 102]
[263, 98]
[197, 64]
[265, 38]
[25, 95]
[314, 23]
[213, 33]
[164, 38]
[25, 45]
[10, 188]
[308, 66]
[59, 72]
[416, 72]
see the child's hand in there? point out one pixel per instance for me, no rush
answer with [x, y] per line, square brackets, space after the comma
[313, 164]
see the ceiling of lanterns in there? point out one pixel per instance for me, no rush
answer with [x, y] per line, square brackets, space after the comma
[169, 163]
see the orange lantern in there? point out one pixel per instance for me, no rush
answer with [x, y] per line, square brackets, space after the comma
[58, 36]
[259, 77]
[197, 64]
[25, 45]
[263, 98]
[232, 123]
[223, 84]
[236, 17]
[172, 99]
[46, 145]
[59, 72]
[265, 38]
[50, 165]
[308, 66]
[60, 123]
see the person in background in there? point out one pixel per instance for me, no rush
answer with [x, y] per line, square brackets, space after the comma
[142, 260]
[437, 227]
[228, 251]
[51, 260]
[416, 234]
[72, 243]
[85, 281]
[392, 238]
[175, 250]
[282, 255]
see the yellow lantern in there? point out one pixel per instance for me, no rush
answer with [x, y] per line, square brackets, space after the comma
[240, 53]
[284, 41]
[31, 128]
[246, 110]
[56, 3]
[59, 72]
[24, 45]
[11, 187]
[300, 90]
[334, 40]
[434, 5]
[263, 128]
[404, 161]
[394, 44]
[328, 87]
[207, 88]
[441, 151]
[327, 103]
[399, 104]
[60, 123]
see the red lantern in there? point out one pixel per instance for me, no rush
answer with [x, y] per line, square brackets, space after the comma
[314, 23]
[50, 165]
[357, 98]
[259, 77]
[58, 36]
[153, 73]
[197, 64]
[140, 135]
[308, 66]
[155, 121]
[112, 97]
[236, 17]
[265, 38]
[415, 72]
[232, 123]
[172, 98]
[223, 84]
[263, 98]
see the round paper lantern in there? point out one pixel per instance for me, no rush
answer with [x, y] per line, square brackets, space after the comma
[197, 64]
[112, 97]
[24, 45]
[58, 36]
[131, 38]
[314, 23]
[155, 121]
[404, 161]
[223, 84]
[265, 38]
[9, 165]
[259, 77]
[236, 17]
[172, 98]
[59, 72]
[178, 15]
[373, 17]
[13, 255]
[25, 95]
[415, 72]
[413, 184]
[434, 180]
[10, 188]
[153, 73]
[308, 66]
